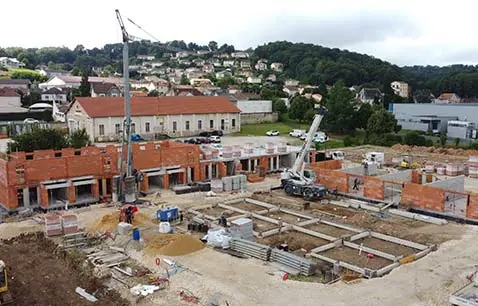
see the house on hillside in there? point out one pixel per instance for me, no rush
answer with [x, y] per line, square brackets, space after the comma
[146, 57]
[103, 117]
[291, 82]
[370, 95]
[254, 80]
[245, 65]
[291, 90]
[223, 74]
[228, 63]
[240, 54]
[70, 81]
[55, 94]
[278, 67]
[401, 89]
[105, 90]
[447, 98]
[10, 62]
[261, 65]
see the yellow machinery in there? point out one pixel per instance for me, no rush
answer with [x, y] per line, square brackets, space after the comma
[408, 162]
[5, 297]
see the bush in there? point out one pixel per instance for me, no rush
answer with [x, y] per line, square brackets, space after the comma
[415, 139]
[349, 141]
[474, 145]
[386, 140]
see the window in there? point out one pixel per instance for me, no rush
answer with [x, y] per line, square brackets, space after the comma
[102, 129]
[147, 127]
[175, 126]
[199, 124]
[117, 128]
[222, 124]
[133, 127]
[211, 124]
[187, 125]
[233, 123]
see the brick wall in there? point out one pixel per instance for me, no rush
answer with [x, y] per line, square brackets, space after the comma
[373, 188]
[332, 179]
[425, 197]
[472, 208]
[328, 164]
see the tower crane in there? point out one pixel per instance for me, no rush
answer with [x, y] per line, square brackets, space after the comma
[293, 180]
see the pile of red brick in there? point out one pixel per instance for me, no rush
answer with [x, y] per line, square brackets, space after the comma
[56, 224]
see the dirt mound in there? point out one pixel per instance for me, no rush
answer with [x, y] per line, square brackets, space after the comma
[110, 222]
[172, 244]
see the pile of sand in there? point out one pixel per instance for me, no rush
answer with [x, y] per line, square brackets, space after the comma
[110, 222]
[172, 244]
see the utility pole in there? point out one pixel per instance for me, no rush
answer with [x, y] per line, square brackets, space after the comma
[129, 193]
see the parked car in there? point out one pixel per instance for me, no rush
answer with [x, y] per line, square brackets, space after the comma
[272, 133]
[217, 133]
[211, 133]
[320, 139]
[318, 134]
[205, 134]
[215, 139]
[296, 133]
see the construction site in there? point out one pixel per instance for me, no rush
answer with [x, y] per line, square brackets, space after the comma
[235, 234]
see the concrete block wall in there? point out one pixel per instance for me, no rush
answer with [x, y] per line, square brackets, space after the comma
[454, 184]
[399, 176]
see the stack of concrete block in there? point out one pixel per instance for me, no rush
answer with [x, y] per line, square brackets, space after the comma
[217, 186]
[53, 226]
[242, 228]
[70, 224]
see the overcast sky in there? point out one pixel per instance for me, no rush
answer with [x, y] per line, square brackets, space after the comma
[403, 32]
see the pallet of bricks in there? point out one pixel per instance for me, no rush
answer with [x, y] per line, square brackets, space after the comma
[56, 224]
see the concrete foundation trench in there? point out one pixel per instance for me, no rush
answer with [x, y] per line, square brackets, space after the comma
[337, 250]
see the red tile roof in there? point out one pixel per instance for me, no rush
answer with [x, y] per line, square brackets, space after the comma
[8, 92]
[151, 106]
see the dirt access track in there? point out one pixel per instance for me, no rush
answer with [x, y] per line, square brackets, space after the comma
[39, 276]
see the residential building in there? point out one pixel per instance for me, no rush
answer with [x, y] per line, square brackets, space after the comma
[21, 84]
[10, 62]
[240, 54]
[198, 61]
[182, 54]
[233, 89]
[51, 73]
[370, 95]
[208, 68]
[436, 118]
[228, 63]
[105, 90]
[75, 81]
[317, 97]
[185, 62]
[291, 82]
[216, 63]
[55, 94]
[447, 97]
[9, 97]
[245, 73]
[103, 117]
[201, 82]
[202, 52]
[279, 67]
[223, 74]
[223, 55]
[401, 89]
[271, 78]
[245, 65]
[291, 90]
[261, 65]
[183, 90]
[146, 57]
[254, 80]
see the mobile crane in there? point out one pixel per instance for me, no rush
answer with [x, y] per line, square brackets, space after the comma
[295, 181]
[5, 297]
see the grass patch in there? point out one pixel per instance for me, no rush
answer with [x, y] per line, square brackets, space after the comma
[260, 129]
[331, 144]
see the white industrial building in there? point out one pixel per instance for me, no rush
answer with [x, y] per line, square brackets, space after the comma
[256, 111]
[457, 120]
[103, 117]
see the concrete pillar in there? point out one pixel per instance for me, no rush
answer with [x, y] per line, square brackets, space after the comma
[189, 180]
[26, 197]
[43, 197]
[209, 171]
[249, 165]
[144, 185]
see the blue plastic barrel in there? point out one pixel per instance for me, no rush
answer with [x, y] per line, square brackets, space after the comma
[136, 234]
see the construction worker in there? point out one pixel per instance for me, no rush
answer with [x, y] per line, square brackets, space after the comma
[355, 187]
[129, 215]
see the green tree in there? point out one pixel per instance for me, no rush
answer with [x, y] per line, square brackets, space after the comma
[184, 80]
[269, 92]
[299, 107]
[457, 142]
[85, 86]
[340, 110]
[38, 139]
[79, 138]
[443, 139]
[153, 93]
[382, 122]
[278, 105]
[212, 46]
[362, 116]
[33, 76]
